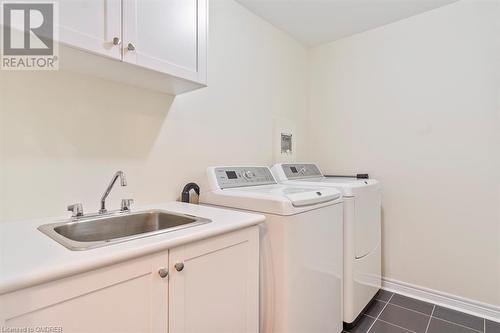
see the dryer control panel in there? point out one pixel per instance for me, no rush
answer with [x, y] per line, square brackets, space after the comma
[230, 177]
[296, 171]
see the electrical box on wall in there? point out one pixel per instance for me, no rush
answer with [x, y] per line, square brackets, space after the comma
[284, 141]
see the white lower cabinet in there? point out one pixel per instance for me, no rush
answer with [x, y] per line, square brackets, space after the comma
[216, 290]
[120, 298]
[214, 285]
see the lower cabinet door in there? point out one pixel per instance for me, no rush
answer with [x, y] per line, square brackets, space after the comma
[214, 285]
[126, 297]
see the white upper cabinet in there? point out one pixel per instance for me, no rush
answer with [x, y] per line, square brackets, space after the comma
[167, 36]
[167, 39]
[91, 25]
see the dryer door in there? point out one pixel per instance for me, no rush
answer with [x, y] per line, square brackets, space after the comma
[367, 205]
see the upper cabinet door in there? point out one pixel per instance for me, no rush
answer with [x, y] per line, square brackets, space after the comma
[91, 25]
[168, 36]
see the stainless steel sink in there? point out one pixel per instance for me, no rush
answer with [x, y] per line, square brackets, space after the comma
[96, 231]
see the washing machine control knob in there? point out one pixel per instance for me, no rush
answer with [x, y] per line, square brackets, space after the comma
[248, 174]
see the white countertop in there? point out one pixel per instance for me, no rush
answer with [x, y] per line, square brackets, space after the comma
[29, 257]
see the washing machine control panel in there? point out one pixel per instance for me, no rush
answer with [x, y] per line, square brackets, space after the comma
[297, 171]
[230, 177]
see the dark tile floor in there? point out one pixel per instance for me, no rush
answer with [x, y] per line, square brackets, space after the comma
[394, 313]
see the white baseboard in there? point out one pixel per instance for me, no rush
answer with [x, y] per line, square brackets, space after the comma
[488, 311]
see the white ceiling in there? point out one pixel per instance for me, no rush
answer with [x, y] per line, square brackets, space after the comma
[314, 22]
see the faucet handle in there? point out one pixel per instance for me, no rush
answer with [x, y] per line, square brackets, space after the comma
[76, 209]
[126, 204]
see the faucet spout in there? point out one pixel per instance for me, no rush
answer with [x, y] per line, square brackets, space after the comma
[123, 182]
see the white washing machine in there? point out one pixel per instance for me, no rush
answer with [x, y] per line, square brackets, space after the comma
[362, 231]
[301, 247]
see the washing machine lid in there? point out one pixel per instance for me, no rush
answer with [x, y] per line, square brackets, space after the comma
[298, 196]
[350, 187]
[254, 188]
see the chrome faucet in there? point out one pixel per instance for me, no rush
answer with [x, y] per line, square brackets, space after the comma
[123, 182]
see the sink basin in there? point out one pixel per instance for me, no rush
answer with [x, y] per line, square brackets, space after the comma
[96, 231]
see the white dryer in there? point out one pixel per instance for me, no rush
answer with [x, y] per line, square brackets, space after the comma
[301, 247]
[362, 231]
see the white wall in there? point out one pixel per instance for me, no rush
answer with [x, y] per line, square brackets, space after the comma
[63, 135]
[416, 104]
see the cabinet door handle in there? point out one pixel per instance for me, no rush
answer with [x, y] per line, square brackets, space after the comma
[130, 47]
[163, 272]
[179, 266]
[116, 41]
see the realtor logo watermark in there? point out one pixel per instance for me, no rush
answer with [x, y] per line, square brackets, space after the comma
[29, 39]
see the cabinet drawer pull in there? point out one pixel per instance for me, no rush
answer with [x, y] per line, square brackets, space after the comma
[130, 47]
[179, 266]
[163, 273]
[116, 41]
